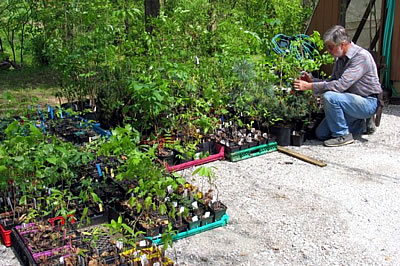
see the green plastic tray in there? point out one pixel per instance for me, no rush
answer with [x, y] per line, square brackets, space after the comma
[224, 220]
[252, 152]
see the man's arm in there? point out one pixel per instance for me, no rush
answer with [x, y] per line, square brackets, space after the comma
[354, 71]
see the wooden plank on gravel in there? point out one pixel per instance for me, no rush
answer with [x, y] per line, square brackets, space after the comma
[301, 156]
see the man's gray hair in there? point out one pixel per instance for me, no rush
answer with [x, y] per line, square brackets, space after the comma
[336, 34]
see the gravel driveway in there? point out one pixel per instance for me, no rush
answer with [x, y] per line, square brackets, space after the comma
[284, 211]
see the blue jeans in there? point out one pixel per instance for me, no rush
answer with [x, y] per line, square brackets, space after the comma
[345, 113]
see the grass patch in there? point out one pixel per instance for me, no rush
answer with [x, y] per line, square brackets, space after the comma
[27, 86]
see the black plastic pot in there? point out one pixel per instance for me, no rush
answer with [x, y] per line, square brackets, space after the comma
[218, 209]
[169, 159]
[283, 134]
[297, 140]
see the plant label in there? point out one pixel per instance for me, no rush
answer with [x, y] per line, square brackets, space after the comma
[9, 202]
[90, 139]
[175, 204]
[195, 218]
[119, 245]
[166, 199]
[106, 169]
[112, 173]
[143, 243]
[214, 199]
[195, 205]
[144, 259]
[34, 203]
[206, 215]
[62, 260]
[182, 209]
[169, 189]
[156, 264]
[185, 193]
[100, 207]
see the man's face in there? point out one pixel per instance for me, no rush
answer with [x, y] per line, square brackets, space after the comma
[334, 50]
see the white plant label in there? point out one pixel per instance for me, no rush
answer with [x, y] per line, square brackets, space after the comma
[156, 264]
[100, 207]
[120, 245]
[169, 189]
[144, 259]
[195, 205]
[34, 203]
[207, 214]
[90, 139]
[175, 204]
[214, 199]
[182, 209]
[185, 193]
[195, 218]
[112, 173]
[143, 243]
[61, 260]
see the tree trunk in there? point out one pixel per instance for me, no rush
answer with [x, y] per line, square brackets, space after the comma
[22, 45]
[1, 45]
[151, 10]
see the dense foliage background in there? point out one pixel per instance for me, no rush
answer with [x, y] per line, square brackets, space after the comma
[180, 64]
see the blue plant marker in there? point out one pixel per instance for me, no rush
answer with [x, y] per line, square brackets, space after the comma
[61, 115]
[99, 169]
[222, 119]
[48, 108]
[52, 113]
[38, 109]
[42, 125]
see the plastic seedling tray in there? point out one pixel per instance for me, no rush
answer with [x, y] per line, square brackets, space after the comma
[220, 155]
[224, 221]
[252, 152]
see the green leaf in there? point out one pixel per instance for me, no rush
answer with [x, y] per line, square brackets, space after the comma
[52, 160]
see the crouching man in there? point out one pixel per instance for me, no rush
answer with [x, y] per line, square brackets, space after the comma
[350, 96]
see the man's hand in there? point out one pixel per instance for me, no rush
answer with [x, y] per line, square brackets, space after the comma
[306, 77]
[301, 85]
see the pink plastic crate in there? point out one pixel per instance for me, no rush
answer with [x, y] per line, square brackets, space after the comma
[220, 155]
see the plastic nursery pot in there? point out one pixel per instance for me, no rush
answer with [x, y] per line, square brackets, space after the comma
[207, 218]
[192, 223]
[283, 134]
[218, 209]
[297, 140]
[167, 156]
[180, 226]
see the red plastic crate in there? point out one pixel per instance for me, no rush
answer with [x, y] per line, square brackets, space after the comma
[220, 155]
[5, 234]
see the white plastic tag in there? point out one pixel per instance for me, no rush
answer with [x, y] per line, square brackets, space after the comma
[185, 193]
[214, 199]
[112, 173]
[175, 204]
[182, 209]
[207, 214]
[61, 260]
[144, 259]
[195, 205]
[169, 189]
[142, 243]
[195, 218]
[156, 264]
[90, 139]
[120, 245]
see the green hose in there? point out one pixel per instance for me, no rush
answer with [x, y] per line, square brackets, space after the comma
[387, 44]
